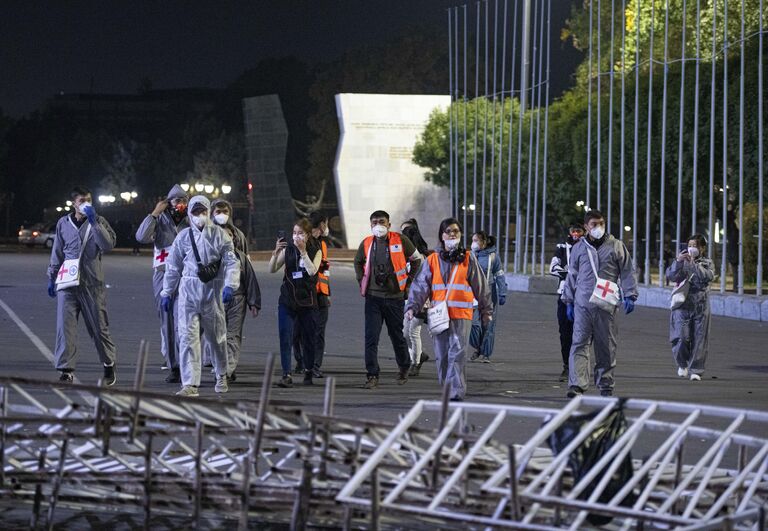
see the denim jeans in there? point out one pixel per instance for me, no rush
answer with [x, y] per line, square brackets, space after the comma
[306, 320]
[378, 311]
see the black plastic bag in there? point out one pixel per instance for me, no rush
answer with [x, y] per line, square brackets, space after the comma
[590, 451]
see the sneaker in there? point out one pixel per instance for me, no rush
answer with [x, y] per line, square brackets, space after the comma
[606, 392]
[682, 372]
[475, 356]
[221, 384]
[424, 358]
[485, 359]
[232, 377]
[317, 373]
[298, 369]
[67, 376]
[414, 370]
[372, 382]
[165, 366]
[402, 376]
[308, 378]
[564, 375]
[174, 376]
[189, 391]
[285, 381]
[695, 377]
[574, 391]
[109, 375]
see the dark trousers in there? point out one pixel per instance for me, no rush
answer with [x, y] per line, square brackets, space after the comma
[306, 321]
[322, 320]
[378, 311]
[566, 331]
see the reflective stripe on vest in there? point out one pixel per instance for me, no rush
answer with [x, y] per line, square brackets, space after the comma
[461, 296]
[323, 282]
[397, 257]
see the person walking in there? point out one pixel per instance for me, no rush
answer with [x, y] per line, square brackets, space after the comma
[690, 321]
[600, 276]
[76, 281]
[412, 328]
[297, 306]
[559, 267]
[201, 263]
[381, 268]
[452, 276]
[160, 228]
[481, 337]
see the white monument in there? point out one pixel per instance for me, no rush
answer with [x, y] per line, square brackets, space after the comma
[373, 167]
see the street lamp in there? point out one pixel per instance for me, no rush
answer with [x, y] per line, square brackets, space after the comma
[68, 203]
[199, 187]
[185, 187]
[134, 195]
[225, 188]
[208, 188]
[59, 209]
[125, 196]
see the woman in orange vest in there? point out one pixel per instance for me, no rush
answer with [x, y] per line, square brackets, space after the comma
[452, 275]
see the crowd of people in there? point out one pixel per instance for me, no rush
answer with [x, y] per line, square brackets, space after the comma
[204, 286]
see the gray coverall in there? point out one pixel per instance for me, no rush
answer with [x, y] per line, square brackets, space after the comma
[451, 345]
[592, 324]
[199, 303]
[161, 231]
[689, 324]
[88, 298]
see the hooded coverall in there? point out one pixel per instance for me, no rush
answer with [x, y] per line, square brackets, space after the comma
[451, 345]
[161, 231]
[592, 324]
[481, 338]
[88, 297]
[689, 324]
[199, 303]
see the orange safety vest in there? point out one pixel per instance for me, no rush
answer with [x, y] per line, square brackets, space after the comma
[461, 296]
[323, 283]
[396, 255]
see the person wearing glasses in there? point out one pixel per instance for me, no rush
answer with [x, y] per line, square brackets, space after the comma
[452, 275]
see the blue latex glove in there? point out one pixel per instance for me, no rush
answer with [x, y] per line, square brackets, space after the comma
[502, 300]
[629, 306]
[569, 312]
[227, 294]
[165, 303]
[51, 289]
[90, 213]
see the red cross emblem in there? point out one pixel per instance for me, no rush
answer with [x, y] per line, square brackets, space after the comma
[62, 270]
[606, 289]
[161, 256]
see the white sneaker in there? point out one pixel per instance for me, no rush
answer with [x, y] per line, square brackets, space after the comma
[695, 377]
[682, 372]
[188, 390]
[221, 384]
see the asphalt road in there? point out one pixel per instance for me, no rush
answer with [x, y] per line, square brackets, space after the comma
[525, 367]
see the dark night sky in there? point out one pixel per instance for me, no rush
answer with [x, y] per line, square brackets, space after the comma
[48, 47]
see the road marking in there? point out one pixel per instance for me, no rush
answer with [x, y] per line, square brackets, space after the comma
[42, 347]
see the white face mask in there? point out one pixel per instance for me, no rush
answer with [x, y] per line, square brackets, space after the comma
[693, 251]
[451, 244]
[82, 207]
[200, 220]
[298, 238]
[379, 231]
[475, 246]
[326, 232]
[597, 232]
[221, 219]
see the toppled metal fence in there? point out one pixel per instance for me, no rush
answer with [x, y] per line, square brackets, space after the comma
[82, 453]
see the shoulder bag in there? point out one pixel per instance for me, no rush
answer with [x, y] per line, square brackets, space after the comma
[680, 293]
[205, 272]
[69, 272]
[605, 295]
[438, 319]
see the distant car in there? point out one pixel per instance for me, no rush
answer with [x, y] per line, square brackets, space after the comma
[38, 234]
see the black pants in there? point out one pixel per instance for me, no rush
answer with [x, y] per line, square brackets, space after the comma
[322, 320]
[378, 311]
[566, 331]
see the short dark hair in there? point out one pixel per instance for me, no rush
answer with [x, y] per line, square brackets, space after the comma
[576, 225]
[701, 241]
[447, 222]
[79, 191]
[379, 214]
[316, 218]
[593, 214]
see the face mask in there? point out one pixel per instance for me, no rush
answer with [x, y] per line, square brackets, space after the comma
[597, 232]
[298, 238]
[575, 236]
[221, 219]
[326, 232]
[475, 246]
[451, 244]
[83, 206]
[693, 251]
[180, 208]
[200, 220]
[379, 231]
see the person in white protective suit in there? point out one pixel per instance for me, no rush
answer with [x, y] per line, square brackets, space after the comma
[689, 323]
[202, 262]
[592, 323]
[160, 228]
[452, 275]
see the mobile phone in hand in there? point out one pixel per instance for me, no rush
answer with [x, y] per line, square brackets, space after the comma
[281, 235]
